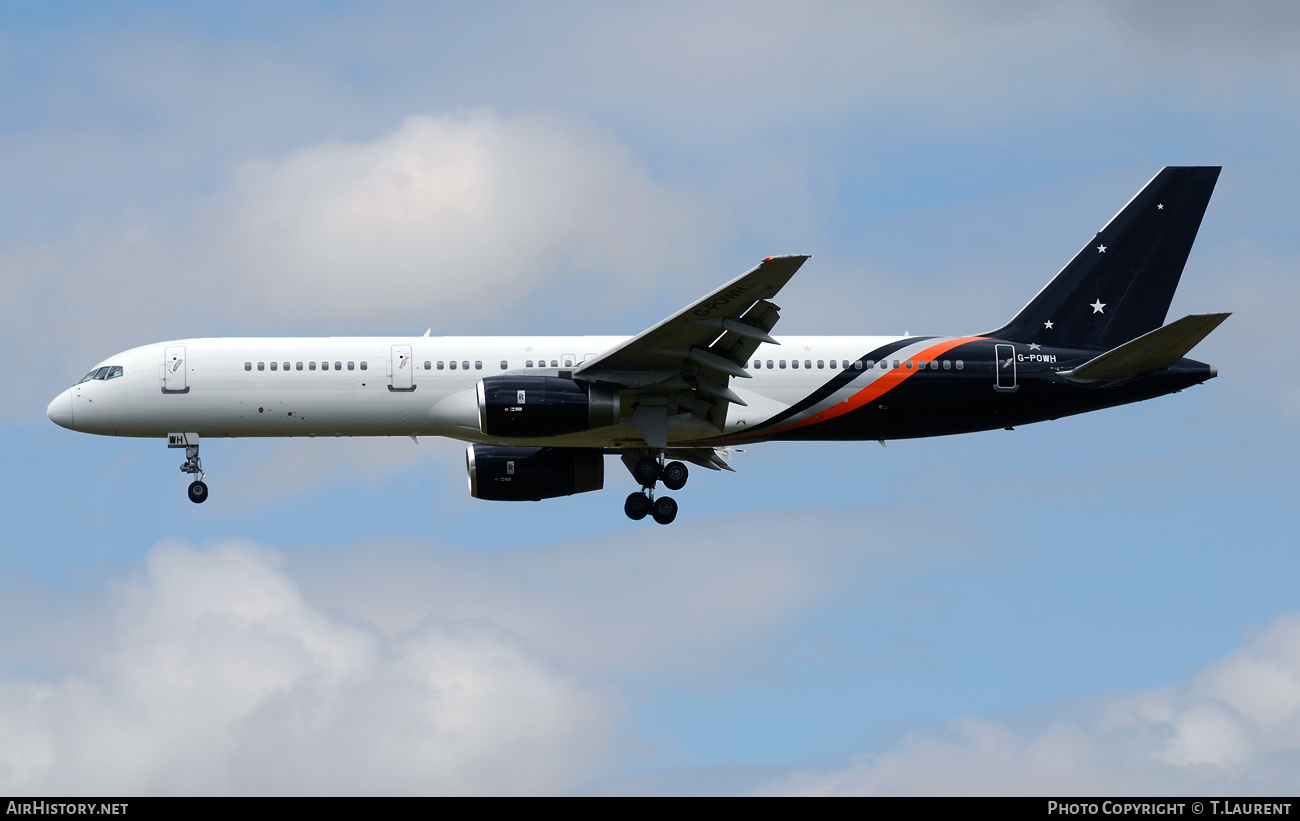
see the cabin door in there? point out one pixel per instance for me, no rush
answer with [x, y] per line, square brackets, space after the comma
[174, 370]
[1006, 368]
[401, 370]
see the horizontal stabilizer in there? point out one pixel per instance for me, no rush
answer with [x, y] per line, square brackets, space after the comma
[1153, 351]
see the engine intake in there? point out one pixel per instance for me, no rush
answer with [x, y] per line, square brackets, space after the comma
[528, 406]
[531, 474]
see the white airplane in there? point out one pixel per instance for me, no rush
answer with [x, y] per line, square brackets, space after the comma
[540, 413]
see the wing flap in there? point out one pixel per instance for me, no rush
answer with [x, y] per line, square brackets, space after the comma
[711, 458]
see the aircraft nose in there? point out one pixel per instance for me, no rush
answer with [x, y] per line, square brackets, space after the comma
[60, 410]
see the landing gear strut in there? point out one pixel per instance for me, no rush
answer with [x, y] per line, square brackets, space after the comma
[198, 489]
[648, 471]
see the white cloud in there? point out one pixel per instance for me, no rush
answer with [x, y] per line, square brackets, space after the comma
[693, 604]
[1233, 727]
[220, 678]
[446, 220]
[463, 213]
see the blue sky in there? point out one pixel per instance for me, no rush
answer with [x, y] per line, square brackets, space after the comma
[1097, 604]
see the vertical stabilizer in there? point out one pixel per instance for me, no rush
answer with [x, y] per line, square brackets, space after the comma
[1120, 285]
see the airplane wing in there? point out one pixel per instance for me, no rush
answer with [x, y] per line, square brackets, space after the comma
[684, 364]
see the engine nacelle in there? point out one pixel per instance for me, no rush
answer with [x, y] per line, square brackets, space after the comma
[529, 406]
[531, 474]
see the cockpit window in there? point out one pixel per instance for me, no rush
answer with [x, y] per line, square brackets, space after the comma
[106, 372]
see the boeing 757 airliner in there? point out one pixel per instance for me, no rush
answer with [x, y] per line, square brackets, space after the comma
[541, 413]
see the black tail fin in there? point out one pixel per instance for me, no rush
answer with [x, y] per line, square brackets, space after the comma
[1120, 285]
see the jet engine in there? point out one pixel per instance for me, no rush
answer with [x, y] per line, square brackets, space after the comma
[531, 474]
[528, 406]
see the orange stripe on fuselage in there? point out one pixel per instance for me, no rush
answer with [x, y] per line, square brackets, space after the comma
[878, 388]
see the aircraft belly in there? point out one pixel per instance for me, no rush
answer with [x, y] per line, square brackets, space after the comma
[372, 412]
[943, 407]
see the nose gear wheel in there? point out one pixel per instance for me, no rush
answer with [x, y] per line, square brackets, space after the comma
[198, 489]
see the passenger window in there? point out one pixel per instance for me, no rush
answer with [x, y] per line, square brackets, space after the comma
[439, 364]
[833, 364]
[934, 364]
[960, 364]
[846, 364]
[807, 363]
[363, 365]
[820, 365]
[261, 366]
[453, 364]
[794, 363]
[352, 366]
[274, 365]
[248, 366]
[338, 366]
[769, 363]
[781, 364]
[428, 365]
[478, 364]
[311, 366]
[286, 366]
[947, 364]
[504, 366]
[114, 372]
[299, 366]
[324, 366]
[568, 363]
[908, 363]
[528, 364]
[554, 364]
[858, 365]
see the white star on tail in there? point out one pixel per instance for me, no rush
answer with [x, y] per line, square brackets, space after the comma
[1101, 249]
[1097, 307]
[1033, 346]
[1048, 324]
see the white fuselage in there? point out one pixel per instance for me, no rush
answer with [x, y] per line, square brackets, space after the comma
[385, 386]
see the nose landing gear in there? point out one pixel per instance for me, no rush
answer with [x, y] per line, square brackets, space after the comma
[198, 489]
[198, 492]
[648, 471]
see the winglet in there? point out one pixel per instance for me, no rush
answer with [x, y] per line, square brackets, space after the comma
[1153, 351]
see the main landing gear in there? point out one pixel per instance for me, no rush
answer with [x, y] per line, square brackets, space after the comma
[649, 471]
[198, 489]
